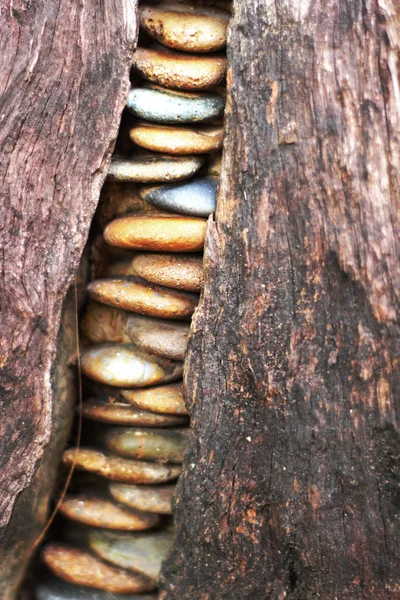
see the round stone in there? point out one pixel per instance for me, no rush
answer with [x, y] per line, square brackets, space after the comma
[53, 588]
[159, 337]
[154, 499]
[178, 271]
[117, 413]
[165, 234]
[190, 29]
[103, 323]
[178, 70]
[177, 140]
[123, 365]
[98, 512]
[197, 197]
[140, 296]
[119, 469]
[82, 568]
[145, 168]
[141, 552]
[163, 446]
[160, 105]
[164, 399]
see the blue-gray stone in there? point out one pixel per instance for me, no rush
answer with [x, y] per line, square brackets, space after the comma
[167, 106]
[52, 588]
[196, 197]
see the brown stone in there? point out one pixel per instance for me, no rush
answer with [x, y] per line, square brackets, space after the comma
[168, 445]
[154, 499]
[117, 468]
[177, 140]
[178, 70]
[82, 568]
[146, 167]
[99, 512]
[162, 233]
[178, 271]
[140, 296]
[190, 29]
[105, 411]
[103, 323]
[118, 199]
[123, 365]
[162, 399]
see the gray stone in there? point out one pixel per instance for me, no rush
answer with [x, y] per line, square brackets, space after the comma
[161, 105]
[53, 588]
[147, 167]
[196, 197]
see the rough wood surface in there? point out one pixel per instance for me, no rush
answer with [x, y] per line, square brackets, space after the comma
[291, 488]
[64, 76]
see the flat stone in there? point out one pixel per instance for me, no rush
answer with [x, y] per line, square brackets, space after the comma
[140, 296]
[178, 271]
[99, 512]
[179, 70]
[197, 197]
[177, 140]
[145, 168]
[82, 568]
[123, 365]
[53, 588]
[165, 234]
[190, 29]
[164, 399]
[163, 446]
[121, 469]
[117, 413]
[154, 499]
[160, 105]
[141, 552]
[102, 323]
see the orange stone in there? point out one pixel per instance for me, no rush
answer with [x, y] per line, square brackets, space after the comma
[151, 498]
[99, 512]
[140, 296]
[166, 233]
[177, 140]
[82, 568]
[117, 413]
[178, 271]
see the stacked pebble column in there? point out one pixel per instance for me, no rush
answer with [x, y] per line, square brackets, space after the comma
[147, 267]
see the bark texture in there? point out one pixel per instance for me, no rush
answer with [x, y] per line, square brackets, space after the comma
[291, 487]
[64, 76]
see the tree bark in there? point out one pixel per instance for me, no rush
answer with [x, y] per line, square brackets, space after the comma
[291, 487]
[64, 76]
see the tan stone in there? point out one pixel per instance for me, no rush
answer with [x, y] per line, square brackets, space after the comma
[105, 411]
[82, 568]
[146, 167]
[98, 512]
[178, 271]
[140, 296]
[117, 468]
[151, 498]
[177, 140]
[178, 70]
[190, 29]
[123, 365]
[166, 234]
[164, 399]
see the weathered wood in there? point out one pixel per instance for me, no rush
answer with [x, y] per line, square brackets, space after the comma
[291, 487]
[64, 76]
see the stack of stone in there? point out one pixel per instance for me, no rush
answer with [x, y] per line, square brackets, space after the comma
[148, 273]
